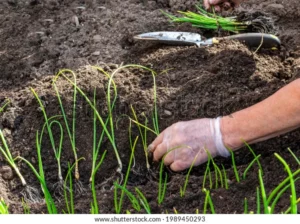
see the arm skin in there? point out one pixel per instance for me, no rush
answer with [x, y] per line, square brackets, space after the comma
[278, 114]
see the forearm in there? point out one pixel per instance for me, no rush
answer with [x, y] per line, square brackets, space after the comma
[275, 115]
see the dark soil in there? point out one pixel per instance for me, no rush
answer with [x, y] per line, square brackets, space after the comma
[40, 37]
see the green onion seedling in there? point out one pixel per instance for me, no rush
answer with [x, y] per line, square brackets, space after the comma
[279, 195]
[225, 178]
[246, 206]
[254, 155]
[295, 157]
[236, 173]
[206, 20]
[143, 201]
[292, 184]
[249, 166]
[143, 134]
[118, 203]
[207, 172]
[207, 201]
[71, 129]
[95, 209]
[134, 201]
[267, 209]
[183, 189]
[257, 201]
[41, 177]
[282, 186]
[3, 207]
[25, 206]
[29, 193]
[4, 105]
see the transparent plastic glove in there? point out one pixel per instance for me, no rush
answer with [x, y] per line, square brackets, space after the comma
[191, 139]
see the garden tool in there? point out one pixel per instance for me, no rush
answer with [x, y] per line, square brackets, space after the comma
[258, 40]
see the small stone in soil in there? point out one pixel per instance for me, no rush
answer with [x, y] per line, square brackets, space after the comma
[6, 173]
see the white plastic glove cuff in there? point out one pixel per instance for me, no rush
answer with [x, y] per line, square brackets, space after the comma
[221, 149]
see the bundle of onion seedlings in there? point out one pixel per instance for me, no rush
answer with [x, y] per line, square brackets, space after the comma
[243, 22]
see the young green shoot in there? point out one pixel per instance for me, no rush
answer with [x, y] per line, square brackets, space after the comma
[96, 146]
[143, 201]
[207, 172]
[295, 157]
[183, 189]
[175, 211]
[49, 122]
[30, 194]
[207, 201]
[279, 195]
[95, 208]
[118, 204]
[155, 112]
[26, 207]
[41, 177]
[277, 191]
[134, 201]
[71, 131]
[68, 187]
[245, 206]
[218, 172]
[263, 193]
[225, 177]
[4, 105]
[3, 207]
[289, 209]
[249, 166]
[109, 134]
[258, 201]
[254, 155]
[292, 184]
[162, 183]
[236, 173]
[143, 134]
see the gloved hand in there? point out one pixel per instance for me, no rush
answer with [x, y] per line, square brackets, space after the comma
[221, 4]
[192, 138]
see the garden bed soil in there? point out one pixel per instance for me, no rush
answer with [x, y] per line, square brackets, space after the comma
[40, 37]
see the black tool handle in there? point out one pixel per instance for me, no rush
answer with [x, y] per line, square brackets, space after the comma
[255, 39]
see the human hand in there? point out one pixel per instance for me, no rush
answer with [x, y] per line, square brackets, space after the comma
[183, 142]
[221, 4]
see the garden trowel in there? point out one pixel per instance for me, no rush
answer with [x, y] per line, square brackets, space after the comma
[258, 40]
